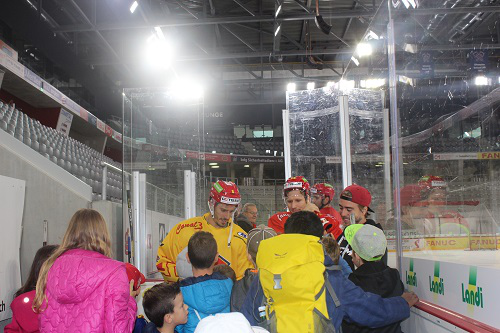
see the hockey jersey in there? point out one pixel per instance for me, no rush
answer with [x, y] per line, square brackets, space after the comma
[178, 238]
[331, 225]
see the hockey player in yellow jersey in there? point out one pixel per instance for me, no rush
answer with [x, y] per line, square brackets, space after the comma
[231, 239]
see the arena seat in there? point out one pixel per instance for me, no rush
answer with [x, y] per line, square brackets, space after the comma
[71, 155]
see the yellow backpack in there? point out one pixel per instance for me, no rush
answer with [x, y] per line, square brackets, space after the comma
[292, 276]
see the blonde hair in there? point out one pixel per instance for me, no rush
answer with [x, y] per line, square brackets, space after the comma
[86, 230]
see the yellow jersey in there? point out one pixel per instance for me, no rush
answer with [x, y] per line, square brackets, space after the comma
[178, 238]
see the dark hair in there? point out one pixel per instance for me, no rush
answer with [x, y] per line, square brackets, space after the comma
[41, 255]
[304, 222]
[226, 270]
[159, 301]
[202, 249]
[361, 207]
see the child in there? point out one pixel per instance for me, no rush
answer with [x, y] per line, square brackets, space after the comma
[368, 245]
[240, 289]
[80, 277]
[164, 306]
[23, 317]
[206, 293]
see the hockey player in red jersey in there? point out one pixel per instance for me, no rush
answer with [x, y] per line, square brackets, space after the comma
[322, 195]
[296, 194]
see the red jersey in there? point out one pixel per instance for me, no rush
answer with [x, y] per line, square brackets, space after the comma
[331, 225]
[277, 221]
[329, 210]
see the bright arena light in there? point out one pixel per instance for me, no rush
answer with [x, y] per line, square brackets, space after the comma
[310, 85]
[187, 89]
[159, 51]
[330, 84]
[346, 84]
[134, 6]
[356, 61]
[372, 83]
[364, 49]
[291, 87]
[481, 80]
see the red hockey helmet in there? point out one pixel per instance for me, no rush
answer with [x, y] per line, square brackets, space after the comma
[431, 182]
[296, 183]
[323, 189]
[225, 192]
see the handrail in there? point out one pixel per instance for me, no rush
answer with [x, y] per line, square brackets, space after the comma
[454, 318]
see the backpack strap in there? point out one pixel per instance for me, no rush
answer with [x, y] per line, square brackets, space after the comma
[197, 314]
[329, 288]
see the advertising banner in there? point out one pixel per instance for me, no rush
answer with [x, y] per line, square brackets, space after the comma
[101, 125]
[84, 114]
[108, 130]
[478, 60]
[49, 90]
[12, 204]
[64, 122]
[469, 290]
[11, 64]
[257, 159]
[92, 119]
[8, 50]
[70, 105]
[426, 64]
[32, 78]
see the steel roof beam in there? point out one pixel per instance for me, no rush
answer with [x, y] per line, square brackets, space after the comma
[245, 8]
[211, 21]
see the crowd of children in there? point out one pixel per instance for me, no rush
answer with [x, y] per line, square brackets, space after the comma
[290, 276]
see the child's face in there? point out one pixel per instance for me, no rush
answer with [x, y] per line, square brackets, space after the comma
[180, 313]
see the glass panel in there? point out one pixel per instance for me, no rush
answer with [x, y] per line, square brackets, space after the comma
[315, 135]
[449, 111]
[163, 136]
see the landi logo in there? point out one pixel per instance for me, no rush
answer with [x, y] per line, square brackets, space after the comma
[436, 283]
[411, 276]
[472, 294]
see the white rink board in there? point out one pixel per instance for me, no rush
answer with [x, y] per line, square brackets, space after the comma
[12, 207]
[454, 281]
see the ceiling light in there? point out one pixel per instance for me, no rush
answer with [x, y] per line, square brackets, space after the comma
[214, 152]
[481, 80]
[356, 61]
[277, 30]
[372, 35]
[134, 6]
[413, 3]
[372, 83]
[291, 87]
[346, 84]
[159, 51]
[364, 49]
[214, 166]
[406, 3]
[246, 166]
[212, 163]
[310, 85]
[278, 10]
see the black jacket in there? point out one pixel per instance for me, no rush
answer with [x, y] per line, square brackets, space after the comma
[346, 250]
[377, 278]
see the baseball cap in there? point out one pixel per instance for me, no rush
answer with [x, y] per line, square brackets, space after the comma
[256, 235]
[357, 194]
[233, 322]
[135, 274]
[367, 241]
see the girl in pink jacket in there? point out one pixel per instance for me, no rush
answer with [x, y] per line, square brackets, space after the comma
[81, 289]
[24, 319]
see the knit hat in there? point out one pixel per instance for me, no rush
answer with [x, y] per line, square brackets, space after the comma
[256, 235]
[367, 241]
[233, 322]
[357, 194]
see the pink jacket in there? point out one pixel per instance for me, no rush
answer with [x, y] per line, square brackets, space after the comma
[24, 320]
[87, 292]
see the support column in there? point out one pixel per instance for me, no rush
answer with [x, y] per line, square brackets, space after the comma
[260, 180]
